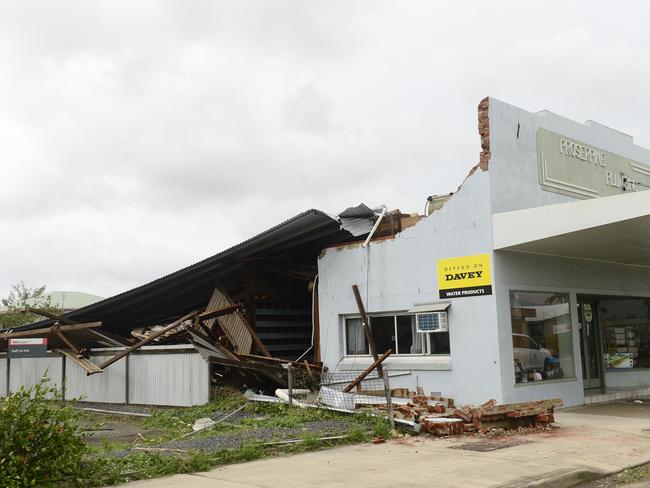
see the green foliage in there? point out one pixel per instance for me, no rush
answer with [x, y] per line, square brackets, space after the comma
[21, 297]
[173, 422]
[382, 429]
[145, 465]
[633, 475]
[41, 443]
[357, 435]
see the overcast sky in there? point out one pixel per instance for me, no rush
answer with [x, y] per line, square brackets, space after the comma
[139, 137]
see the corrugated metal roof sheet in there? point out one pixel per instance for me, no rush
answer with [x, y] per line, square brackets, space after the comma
[175, 294]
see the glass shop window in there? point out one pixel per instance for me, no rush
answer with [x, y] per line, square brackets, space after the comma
[626, 332]
[541, 336]
[396, 332]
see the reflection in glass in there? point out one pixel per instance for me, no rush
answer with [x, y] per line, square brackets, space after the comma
[541, 336]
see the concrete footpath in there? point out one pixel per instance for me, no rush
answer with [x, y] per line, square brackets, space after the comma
[590, 442]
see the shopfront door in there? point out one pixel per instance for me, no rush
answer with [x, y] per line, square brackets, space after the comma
[590, 343]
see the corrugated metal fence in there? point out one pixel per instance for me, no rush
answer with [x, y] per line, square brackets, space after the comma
[154, 375]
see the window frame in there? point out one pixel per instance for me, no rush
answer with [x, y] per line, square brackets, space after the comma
[571, 295]
[425, 345]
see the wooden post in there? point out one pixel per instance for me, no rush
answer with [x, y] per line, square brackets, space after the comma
[290, 381]
[357, 382]
[389, 401]
[366, 329]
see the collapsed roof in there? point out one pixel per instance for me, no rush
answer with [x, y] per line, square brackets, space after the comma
[299, 239]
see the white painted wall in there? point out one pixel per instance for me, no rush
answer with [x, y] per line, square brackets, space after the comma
[394, 274]
[514, 185]
[514, 181]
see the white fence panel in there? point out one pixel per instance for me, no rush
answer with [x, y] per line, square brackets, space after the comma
[178, 379]
[106, 387]
[29, 371]
[157, 375]
[3, 376]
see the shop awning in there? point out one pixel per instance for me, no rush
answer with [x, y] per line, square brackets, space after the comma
[613, 229]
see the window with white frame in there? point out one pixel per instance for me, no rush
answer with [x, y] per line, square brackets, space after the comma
[399, 333]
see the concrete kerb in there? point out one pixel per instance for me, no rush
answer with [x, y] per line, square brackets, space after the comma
[562, 478]
[568, 477]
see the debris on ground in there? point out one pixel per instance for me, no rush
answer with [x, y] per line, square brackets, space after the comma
[434, 415]
[203, 423]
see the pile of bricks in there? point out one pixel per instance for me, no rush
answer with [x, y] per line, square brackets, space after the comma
[438, 415]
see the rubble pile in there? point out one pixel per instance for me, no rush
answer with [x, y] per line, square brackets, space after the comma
[438, 415]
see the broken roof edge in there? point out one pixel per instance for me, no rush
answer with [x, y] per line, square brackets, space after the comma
[484, 133]
[483, 164]
[242, 246]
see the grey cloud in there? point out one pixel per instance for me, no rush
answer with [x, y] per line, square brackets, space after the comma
[140, 137]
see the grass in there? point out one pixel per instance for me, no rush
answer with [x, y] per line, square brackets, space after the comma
[147, 465]
[167, 424]
[633, 475]
[625, 477]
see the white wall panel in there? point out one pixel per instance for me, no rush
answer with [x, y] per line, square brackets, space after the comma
[108, 387]
[3, 377]
[179, 379]
[174, 376]
[29, 371]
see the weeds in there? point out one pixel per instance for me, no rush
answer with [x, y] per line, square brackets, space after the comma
[41, 442]
[633, 475]
[167, 424]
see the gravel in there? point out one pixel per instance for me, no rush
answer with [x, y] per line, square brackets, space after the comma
[115, 407]
[235, 418]
[236, 439]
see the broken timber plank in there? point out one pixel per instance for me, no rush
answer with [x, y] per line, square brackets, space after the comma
[48, 330]
[366, 329]
[367, 371]
[278, 360]
[236, 327]
[212, 314]
[49, 315]
[112, 339]
[89, 366]
[56, 330]
[146, 340]
[209, 343]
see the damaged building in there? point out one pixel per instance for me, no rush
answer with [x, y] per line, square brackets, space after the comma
[530, 282]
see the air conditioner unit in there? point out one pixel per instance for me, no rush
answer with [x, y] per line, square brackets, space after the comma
[432, 322]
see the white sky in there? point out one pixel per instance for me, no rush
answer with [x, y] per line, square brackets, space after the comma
[139, 137]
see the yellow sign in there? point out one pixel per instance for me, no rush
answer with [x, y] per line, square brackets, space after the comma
[464, 276]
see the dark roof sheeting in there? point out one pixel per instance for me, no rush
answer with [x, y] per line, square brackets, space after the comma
[187, 289]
